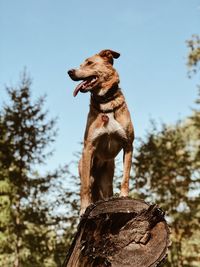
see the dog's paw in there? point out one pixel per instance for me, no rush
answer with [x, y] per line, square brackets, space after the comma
[123, 193]
[82, 211]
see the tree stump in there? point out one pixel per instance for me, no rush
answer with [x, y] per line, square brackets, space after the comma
[120, 232]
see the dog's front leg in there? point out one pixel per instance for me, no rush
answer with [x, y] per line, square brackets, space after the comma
[85, 167]
[128, 152]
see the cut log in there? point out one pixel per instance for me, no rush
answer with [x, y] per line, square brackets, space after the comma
[120, 232]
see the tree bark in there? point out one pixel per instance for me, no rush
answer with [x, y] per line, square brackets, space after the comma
[120, 232]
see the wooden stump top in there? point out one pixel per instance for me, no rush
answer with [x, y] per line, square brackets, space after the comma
[120, 232]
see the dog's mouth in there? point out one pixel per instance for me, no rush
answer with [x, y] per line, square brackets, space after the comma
[86, 85]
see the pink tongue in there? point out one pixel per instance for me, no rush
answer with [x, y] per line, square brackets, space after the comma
[77, 89]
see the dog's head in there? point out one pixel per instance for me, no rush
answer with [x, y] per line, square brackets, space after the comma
[96, 73]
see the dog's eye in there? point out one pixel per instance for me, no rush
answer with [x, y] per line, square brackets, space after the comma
[89, 63]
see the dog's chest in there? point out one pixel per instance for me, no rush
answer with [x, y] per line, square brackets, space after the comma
[110, 126]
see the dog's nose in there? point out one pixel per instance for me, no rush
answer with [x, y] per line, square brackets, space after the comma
[71, 72]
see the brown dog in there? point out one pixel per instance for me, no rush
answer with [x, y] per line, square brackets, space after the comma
[108, 130]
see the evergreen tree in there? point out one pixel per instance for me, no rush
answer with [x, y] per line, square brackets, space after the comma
[27, 227]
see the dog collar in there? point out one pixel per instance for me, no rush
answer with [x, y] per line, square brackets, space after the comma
[107, 97]
[111, 110]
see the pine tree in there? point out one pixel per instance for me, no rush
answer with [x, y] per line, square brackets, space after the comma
[25, 134]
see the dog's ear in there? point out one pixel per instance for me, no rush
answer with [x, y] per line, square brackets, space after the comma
[109, 55]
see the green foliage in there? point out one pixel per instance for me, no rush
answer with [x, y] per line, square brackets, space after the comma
[194, 53]
[163, 163]
[164, 170]
[195, 118]
[29, 223]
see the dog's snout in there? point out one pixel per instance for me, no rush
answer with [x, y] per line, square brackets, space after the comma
[73, 75]
[71, 72]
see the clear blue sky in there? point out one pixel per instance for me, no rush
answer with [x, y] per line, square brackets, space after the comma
[49, 37]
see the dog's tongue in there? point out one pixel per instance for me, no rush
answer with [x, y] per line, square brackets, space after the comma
[79, 87]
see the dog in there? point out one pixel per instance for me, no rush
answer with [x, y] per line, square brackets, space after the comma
[108, 130]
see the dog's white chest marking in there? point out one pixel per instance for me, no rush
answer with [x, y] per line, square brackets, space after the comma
[111, 127]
